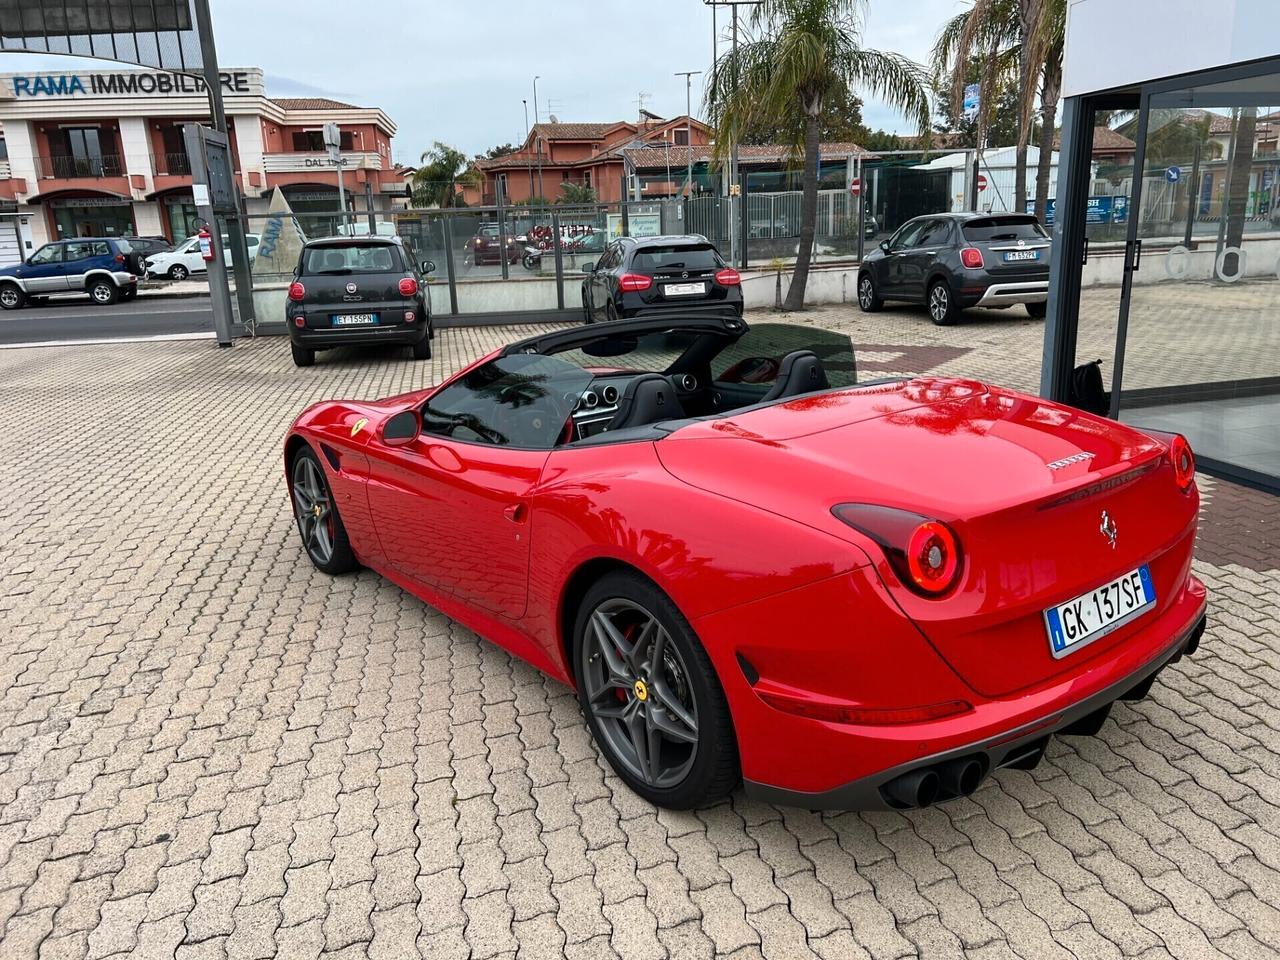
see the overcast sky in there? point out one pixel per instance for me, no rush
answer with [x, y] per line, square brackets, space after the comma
[457, 71]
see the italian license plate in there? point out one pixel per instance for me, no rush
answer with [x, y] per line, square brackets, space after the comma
[1077, 622]
[1013, 255]
[684, 289]
[355, 319]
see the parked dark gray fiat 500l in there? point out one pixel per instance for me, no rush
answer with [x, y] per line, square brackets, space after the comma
[358, 290]
[951, 261]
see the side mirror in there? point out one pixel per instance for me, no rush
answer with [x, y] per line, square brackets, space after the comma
[402, 429]
[884, 245]
[588, 269]
[428, 266]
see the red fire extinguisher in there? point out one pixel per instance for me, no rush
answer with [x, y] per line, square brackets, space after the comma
[206, 244]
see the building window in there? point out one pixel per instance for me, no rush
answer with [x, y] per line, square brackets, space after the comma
[586, 178]
[312, 141]
[82, 152]
[682, 137]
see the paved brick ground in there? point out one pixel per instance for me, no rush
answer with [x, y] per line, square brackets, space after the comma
[209, 749]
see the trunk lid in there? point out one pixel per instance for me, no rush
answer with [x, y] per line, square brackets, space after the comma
[1014, 247]
[1022, 482]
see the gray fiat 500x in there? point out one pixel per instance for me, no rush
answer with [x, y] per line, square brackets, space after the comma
[951, 261]
[358, 290]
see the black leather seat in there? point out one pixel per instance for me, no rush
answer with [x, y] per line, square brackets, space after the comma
[649, 398]
[801, 372]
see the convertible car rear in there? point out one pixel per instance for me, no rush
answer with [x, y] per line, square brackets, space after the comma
[752, 567]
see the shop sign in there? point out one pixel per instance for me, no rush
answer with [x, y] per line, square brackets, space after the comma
[125, 83]
[90, 202]
[1101, 210]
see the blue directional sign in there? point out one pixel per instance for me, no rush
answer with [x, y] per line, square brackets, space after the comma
[1173, 174]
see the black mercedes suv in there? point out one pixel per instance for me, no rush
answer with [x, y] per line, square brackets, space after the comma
[950, 261]
[644, 275]
[358, 290]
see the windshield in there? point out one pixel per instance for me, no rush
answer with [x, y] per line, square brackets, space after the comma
[522, 401]
[350, 258]
[655, 352]
[676, 259]
[1004, 228]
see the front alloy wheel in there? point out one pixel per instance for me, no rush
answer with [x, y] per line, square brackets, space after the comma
[103, 292]
[867, 298]
[323, 535]
[651, 696]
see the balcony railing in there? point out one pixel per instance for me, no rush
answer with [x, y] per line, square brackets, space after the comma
[5, 171]
[106, 165]
[174, 165]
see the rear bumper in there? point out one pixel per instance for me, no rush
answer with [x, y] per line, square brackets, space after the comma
[721, 308]
[317, 338]
[1004, 749]
[1008, 294]
[844, 640]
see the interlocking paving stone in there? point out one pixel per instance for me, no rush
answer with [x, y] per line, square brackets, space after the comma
[207, 748]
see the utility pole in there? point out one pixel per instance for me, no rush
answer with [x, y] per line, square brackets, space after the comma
[526, 140]
[688, 122]
[537, 146]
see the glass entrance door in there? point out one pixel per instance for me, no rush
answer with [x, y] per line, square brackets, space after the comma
[1199, 338]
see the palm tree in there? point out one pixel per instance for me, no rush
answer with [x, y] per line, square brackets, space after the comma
[798, 53]
[435, 182]
[1044, 49]
[982, 40]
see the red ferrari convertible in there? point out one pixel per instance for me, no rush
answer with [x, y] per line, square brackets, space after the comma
[753, 568]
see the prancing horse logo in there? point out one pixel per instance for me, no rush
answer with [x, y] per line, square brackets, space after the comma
[1108, 529]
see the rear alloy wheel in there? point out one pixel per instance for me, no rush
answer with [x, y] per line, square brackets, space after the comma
[609, 312]
[103, 292]
[942, 305]
[178, 272]
[422, 349]
[867, 298]
[302, 356]
[651, 696]
[323, 535]
[1037, 310]
[11, 296]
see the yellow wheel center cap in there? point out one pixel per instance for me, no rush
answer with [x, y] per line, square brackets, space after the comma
[642, 691]
[317, 511]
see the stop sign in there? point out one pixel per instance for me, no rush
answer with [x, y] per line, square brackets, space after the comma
[856, 186]
[982, 182]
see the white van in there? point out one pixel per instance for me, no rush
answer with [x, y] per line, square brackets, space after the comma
[184, 259]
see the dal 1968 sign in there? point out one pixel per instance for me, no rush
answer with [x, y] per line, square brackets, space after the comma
[125, 83]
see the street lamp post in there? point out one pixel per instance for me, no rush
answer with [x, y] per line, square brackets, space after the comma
[526, 140]
[536, 145]
[688, 123]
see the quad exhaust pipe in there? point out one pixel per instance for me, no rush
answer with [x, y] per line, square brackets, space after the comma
[942, 781]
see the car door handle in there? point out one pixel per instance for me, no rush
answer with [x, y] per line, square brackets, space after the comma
[516, 513]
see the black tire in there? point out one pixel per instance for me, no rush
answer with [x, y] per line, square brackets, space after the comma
[128, 293]
[103, 292]
[324, 538]
[178, 272]
[302, 356]
[609, 312]
[588, 316]
[941, 304]
[422, 349]
[11, 296]
[705, 756]
[431, 328]
[868, 300]
[1037, 310]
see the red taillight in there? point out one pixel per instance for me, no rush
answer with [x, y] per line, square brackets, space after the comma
[408, 287]
[299, 321]
[634, 282]
[1184, 462]
[834, 711]
[971, 257]
[728, 277]
[297, 291]
[119, 258]
[924, 553]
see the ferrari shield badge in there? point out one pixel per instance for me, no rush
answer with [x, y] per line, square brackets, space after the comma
[359, 425]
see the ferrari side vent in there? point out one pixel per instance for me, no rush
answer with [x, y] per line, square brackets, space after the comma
[331, 455]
